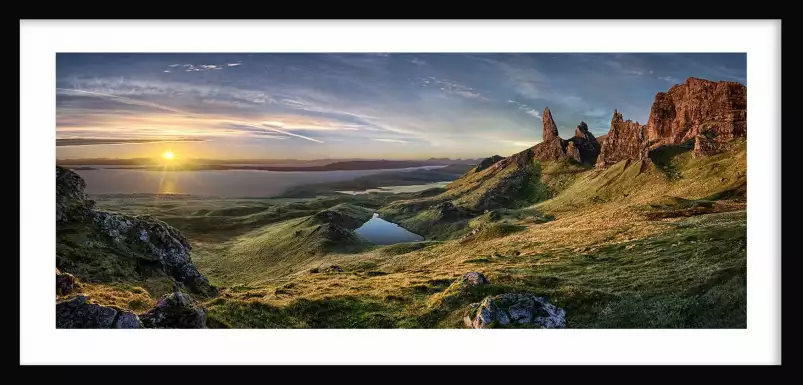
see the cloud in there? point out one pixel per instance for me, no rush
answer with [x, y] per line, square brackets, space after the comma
[100, 141]
[669, 79]
[390, 140]
[634, 72]
[450, 87]
[418, 62]
[233, 64]
[527, 109]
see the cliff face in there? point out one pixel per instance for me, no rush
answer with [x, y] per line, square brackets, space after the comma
[625, 140]
[695, 107]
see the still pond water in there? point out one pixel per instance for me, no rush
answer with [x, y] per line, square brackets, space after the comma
[382, 232]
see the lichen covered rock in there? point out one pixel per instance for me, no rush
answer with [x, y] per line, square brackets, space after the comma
[471, 279]
[705, 146]
[515, 310]
[160, 242]
[79, 313]
[131, 238]
[175, 311]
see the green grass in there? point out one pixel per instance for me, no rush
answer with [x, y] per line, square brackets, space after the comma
[654, 244]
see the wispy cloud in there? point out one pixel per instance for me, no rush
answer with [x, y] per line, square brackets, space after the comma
[669, 79]
[527, 109]
[100, 141]
[418, 62]
[390, 140]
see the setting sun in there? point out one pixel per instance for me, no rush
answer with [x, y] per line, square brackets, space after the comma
[167, 155]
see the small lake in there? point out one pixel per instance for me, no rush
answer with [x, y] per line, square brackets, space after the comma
[382, 232]
[397, 189]
[219, 183]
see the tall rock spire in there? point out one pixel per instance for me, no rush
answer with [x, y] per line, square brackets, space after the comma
[550, 128]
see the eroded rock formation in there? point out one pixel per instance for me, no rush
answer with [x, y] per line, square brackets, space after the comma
[625, 140]
[582, 147]
[695, 107]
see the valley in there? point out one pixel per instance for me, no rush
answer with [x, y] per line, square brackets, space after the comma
[642, 228]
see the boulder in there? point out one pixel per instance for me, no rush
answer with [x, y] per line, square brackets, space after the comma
[472, 279]
[515, 310]
[79, 313]
[65, 283]
[175, 311]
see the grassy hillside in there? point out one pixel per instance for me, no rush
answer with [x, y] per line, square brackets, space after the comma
[659, 244]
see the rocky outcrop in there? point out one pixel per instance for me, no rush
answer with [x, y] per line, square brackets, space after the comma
[625, 140]
[705, 146]
[142, 237]
[65, 283]
[79, 313]
[695, 107]
[587, 146]
[573, 152]
[175, 311]
[515, 310]
[582, 147]
[471, 279]
[550, 128]
[488, 162]
[72, 203]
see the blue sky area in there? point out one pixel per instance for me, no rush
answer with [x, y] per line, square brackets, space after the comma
[377, 105]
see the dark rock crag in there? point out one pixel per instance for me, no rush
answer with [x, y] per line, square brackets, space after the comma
[695, 107]
[582, 147]
[65, 283]
[625, 140]
[488, 162]
[148, 239]
[79, 313]
[515, 310]
[175, 311]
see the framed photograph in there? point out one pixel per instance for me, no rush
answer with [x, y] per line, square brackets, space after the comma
[365, 193]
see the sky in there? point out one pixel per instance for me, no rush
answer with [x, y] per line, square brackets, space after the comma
[353, 105]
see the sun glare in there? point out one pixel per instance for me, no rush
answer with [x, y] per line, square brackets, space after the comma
[168, 155]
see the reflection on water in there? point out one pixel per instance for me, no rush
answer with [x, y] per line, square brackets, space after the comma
[382, 232]
[397, 189]
[221, 183]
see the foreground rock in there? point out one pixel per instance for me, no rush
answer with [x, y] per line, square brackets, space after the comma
[515, 310]
[65, 283]
[79, 313]
[625, 140]
[139, 240]
[695, 107]
[71, 201]
[473, 278]
[175, 311]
